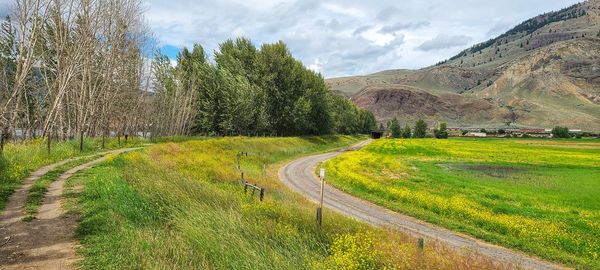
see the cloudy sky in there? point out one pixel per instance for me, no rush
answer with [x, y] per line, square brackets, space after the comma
[343, 37]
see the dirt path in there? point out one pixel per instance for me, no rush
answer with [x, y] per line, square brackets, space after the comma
[300, 176]
[48, 241]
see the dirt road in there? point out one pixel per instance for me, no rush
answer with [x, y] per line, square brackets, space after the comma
[300, 176]
[48, 241]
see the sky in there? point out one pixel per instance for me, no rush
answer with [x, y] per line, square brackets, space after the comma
[342, 37]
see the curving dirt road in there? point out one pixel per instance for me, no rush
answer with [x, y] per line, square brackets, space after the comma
[47, 242]
[300, 176]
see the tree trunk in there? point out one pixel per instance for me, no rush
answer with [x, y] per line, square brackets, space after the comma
[103, 138]
[1, 143]
[81, 141]
[49, 142]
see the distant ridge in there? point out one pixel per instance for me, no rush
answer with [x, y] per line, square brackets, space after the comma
[541, 73]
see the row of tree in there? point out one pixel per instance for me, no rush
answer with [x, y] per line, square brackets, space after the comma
[249, 91]
[72, 67]
[419, 130]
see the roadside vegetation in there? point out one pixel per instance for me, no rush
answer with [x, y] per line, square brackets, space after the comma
[19, 159]
[538, 196]
[181, 205]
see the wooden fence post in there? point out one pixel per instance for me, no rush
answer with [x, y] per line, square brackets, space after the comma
[320, 209]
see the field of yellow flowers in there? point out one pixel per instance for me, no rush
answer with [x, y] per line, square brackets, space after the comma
[181, 206]
[538, 196]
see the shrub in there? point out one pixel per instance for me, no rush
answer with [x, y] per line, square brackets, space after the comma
[420, 129]
[442, 132]
[406, 132]
[353, 252]
[395, 128]
[560, 132]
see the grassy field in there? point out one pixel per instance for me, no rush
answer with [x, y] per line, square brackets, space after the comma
[21, 158]
[181, 206]
[538, 196]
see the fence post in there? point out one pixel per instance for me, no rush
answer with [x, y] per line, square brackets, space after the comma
[262, 194]
[319, 216]
[245, 188]
[320, 209]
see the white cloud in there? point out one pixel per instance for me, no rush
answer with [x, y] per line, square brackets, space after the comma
[342, 37]
[443, 41]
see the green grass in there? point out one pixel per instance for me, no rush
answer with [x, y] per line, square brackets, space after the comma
[19, 159]
[538, 196]
[181, 206]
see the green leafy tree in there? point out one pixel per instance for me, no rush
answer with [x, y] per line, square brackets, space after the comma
[441, 132]
[560, 132]
[395, 128]
[367, 121]
[420, 129]
[345, 116]
[406, 132]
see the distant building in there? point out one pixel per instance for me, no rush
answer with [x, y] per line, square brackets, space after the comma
[476, 134]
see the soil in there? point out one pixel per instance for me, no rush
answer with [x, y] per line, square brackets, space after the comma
[48, 241]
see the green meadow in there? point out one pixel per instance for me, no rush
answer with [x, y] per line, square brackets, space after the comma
[182, 206]
[538, 196]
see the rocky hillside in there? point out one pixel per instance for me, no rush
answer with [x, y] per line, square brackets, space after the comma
[543, 72]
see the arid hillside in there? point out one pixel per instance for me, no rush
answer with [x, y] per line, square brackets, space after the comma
[543, 72]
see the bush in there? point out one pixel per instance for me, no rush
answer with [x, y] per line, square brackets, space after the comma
[406, 132]
[420, 129]
[442, 132]
[353, 252]
[560, 132]
[395, 128]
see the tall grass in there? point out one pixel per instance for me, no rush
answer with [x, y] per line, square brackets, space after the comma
[537, 196]
[19, 159]
[181, 206]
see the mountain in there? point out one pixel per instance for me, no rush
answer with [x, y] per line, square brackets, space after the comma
[542, 73]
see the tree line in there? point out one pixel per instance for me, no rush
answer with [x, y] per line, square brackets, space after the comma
[71, 68]
[418, 131]
[75, 68]
[249, 91]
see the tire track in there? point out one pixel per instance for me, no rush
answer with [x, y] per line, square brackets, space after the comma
[47, 242]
